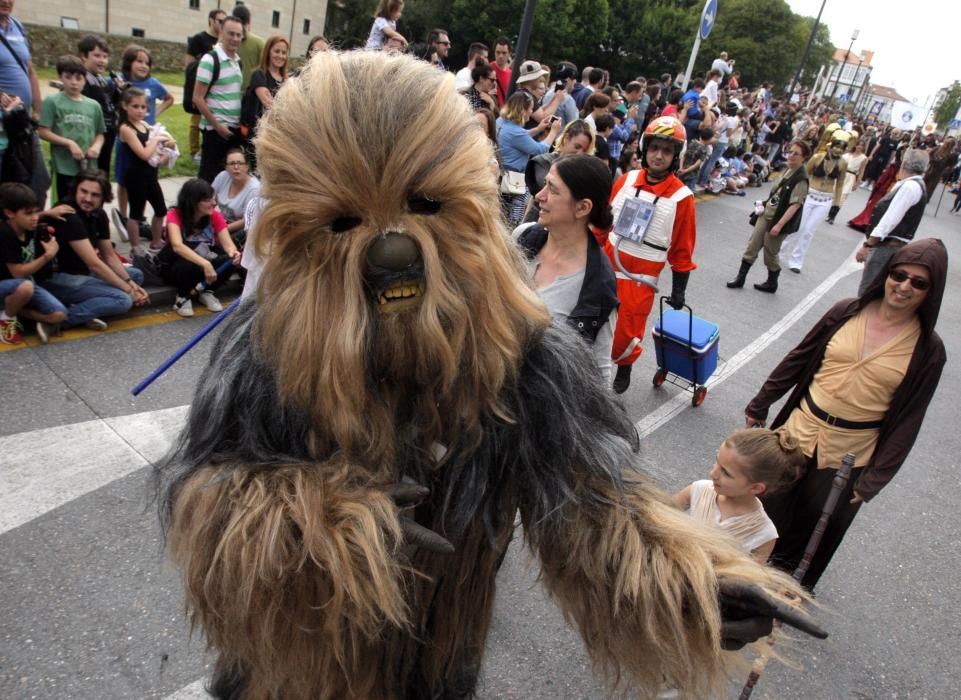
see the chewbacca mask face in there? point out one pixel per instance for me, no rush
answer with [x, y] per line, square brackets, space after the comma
[388, 270]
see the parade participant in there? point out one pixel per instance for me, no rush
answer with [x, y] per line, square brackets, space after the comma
[825, 184]
[854, 164]
[780, 218]
[669, 237]
[394, 341]
[750, 463]
[571, 273]
[860, 381]
[862, 222]
[896, 217]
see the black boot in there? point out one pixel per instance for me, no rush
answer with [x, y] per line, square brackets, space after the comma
[738, 281]
[832, 213]
[622, 379]
[771, 284]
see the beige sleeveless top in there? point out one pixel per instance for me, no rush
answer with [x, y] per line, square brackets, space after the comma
[751, 529]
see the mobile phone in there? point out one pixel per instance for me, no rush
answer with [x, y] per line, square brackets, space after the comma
[558, 86]
[554, 118]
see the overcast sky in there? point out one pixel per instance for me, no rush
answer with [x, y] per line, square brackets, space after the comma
[915, 44]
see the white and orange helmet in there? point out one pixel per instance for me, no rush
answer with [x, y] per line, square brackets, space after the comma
[668, 128]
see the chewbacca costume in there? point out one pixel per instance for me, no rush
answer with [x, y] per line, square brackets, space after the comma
[395, 341]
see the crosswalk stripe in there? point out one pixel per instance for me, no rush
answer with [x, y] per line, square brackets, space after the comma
[44, 469]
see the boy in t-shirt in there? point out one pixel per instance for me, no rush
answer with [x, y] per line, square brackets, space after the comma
[72, 123]
[20, 264]
[103, 87]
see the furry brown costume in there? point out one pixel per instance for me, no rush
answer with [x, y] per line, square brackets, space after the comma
[396, 338]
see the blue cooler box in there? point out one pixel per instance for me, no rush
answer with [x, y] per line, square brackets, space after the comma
[671, 345]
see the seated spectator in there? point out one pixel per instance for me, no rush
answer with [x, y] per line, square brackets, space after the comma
[737, 173]
[234, 188]
[91, 280]
[198, 245]
[25, 257]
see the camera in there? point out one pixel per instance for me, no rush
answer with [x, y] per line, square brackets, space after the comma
[43, 233]
[558, 86]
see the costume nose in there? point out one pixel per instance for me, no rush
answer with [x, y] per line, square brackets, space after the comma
[393, 251]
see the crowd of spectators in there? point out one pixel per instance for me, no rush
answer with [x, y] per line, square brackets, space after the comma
[107, 122]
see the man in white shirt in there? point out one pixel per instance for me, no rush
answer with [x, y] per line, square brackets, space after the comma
[722, 65]
[896, 217]
[476, 51]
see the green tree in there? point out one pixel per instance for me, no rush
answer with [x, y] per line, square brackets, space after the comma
[947, 110]
[648, 37]
[761, 35]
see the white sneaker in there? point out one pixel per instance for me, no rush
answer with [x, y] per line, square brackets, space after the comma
[208, 299]
[184, 307]
[136, 252]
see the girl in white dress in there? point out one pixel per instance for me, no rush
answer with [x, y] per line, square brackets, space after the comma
[749, 463]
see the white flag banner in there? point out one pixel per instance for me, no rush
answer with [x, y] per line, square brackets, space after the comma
[906, 116]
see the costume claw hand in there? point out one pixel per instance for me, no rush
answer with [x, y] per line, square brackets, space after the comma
[748, 613]
[407, 494]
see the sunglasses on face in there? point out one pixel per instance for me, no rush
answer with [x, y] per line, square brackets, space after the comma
[918, 283]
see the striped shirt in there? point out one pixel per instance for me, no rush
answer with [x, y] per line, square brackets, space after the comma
[224, 97]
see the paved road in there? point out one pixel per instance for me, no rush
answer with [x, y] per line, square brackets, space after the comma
[90, 610]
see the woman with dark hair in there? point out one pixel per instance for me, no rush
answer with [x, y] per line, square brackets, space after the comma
[859, 382]
[234, 188]
[781, 217]
[198, 245]
[571, 273]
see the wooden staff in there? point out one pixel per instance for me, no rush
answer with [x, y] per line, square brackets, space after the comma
[837, 488]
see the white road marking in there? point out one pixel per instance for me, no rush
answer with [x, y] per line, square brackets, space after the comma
[666, 411]
[194, 691]
[43, 469]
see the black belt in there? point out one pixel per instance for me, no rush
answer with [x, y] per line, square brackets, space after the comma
[839, 422]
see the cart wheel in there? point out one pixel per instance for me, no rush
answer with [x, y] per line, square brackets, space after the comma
[699, 394]
[659, 377]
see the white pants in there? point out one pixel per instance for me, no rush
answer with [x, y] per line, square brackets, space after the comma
[815, 210]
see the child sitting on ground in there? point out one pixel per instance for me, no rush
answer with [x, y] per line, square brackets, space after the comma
[749, 463]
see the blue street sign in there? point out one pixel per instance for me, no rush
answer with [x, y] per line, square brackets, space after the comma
[708, 17]
[843, 99]
[954, 124]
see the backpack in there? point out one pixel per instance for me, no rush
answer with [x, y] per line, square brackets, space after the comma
[18, 159]
[190, 79]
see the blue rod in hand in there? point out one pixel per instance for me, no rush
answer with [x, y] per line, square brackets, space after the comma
[168, 363]
[202, 284]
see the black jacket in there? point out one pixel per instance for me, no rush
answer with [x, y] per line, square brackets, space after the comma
[598, 296]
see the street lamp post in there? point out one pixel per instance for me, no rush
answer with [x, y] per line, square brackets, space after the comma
[807, 50]
[847, 53]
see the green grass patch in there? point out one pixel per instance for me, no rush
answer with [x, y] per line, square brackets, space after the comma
[175, 119]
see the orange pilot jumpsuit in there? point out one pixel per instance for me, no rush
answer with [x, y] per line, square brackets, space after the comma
[673, 232]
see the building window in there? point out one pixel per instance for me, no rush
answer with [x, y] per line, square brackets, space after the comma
[137, 32]
[275, 19]
[193, 4]
[70, 23]
[306, 26]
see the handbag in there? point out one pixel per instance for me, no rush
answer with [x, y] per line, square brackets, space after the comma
[512, 183]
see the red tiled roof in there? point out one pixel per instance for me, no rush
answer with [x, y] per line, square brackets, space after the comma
[887, 93]
[854, 56]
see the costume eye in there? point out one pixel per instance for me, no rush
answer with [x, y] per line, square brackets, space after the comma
[343, 224]
[424, 206]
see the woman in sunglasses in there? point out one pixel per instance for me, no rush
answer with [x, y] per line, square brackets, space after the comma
[860, 382]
